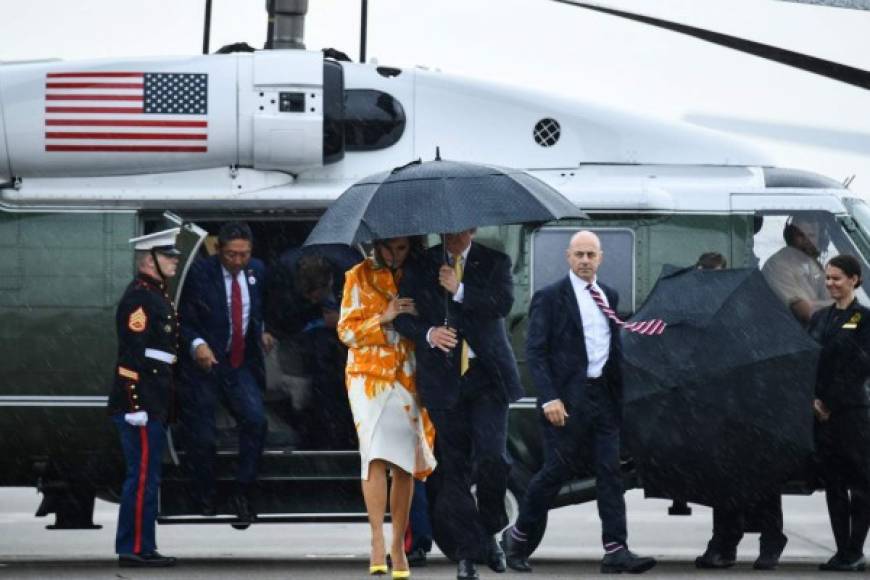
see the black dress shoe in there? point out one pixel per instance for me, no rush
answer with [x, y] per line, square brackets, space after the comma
[152, 560]
[465, 570]
[713, 559]
[416, 558]
[244, 511]
[515, 552]
[768, 557]
[625, 560]
[495, 557]
[842, 563]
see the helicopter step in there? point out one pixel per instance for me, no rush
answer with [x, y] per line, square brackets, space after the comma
[292, 486]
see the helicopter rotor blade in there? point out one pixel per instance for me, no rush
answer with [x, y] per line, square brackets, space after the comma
[845, 140]
[853, 4]
[827, 68]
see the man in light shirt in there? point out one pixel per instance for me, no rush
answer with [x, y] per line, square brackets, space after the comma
[794, 272]
[222, 358]
[573, 352]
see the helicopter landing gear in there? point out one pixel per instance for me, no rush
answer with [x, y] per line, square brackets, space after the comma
[73, 507]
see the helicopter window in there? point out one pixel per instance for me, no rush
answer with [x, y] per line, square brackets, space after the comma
[549, 265]
[860, 212]
[372, 120]
[832, 240]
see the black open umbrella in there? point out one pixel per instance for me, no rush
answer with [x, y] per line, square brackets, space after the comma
[438, 197]
[718, 409]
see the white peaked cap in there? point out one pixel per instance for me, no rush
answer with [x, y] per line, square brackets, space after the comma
[163, 242]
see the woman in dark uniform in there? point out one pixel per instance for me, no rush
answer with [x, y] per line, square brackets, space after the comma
[842, 409]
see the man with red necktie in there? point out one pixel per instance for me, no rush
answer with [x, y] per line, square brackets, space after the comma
[223, 347]
[574, 352]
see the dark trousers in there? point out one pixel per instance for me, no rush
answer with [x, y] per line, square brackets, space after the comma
[589, 442]
[844, 449]
[472, 439]
[729, 523]
[137, 514]
[420, 528]
[240, 392]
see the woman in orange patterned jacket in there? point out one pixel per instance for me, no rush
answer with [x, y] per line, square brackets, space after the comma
[394, 431]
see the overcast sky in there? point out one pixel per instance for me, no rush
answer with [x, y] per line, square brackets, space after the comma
[808, 122]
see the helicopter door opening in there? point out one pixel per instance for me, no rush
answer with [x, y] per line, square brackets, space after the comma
[311, 436]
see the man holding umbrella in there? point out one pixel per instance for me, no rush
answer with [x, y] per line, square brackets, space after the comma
[573, 350]
[466, 377]
[466, 372]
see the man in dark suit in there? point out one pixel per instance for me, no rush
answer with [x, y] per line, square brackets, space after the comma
[574, 351]
[466, 377]
[223, 343]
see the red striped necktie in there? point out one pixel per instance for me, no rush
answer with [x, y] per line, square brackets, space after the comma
[645, 327]
[237, 338]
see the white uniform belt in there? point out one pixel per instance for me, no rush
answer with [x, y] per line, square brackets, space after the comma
[160, 355]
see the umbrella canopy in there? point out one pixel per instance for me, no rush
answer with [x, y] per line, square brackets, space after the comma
[718, 409]
[438, 197]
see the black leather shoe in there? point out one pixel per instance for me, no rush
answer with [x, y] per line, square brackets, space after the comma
[768, 558]
[465, 570]
[416, 558]
[152, 560]
[625, 560]
[842, 563]
[713, 559]
[515, 552]
[495, 557]
[244, 511]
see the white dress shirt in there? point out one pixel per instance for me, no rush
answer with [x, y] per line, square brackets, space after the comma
[596, 330]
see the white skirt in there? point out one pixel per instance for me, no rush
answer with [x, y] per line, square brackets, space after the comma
[389, 427]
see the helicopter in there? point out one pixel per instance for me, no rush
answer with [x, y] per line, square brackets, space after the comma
[95, 152]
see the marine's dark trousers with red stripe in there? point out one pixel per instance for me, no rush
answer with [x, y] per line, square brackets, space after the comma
[143, 450]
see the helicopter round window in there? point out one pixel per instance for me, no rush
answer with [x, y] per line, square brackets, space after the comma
[547, 132]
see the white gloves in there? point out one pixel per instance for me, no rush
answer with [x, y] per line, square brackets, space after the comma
[137, 419]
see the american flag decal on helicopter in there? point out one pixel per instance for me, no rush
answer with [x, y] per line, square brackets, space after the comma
[126, 112]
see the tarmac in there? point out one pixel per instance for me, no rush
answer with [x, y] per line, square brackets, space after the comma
[571, 547]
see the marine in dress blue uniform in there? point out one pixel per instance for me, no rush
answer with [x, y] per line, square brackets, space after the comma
[142, 392]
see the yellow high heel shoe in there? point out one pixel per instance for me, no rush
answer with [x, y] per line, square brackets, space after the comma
[400, 573]
[378, 569]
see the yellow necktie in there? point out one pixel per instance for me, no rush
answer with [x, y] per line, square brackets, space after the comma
[463, 356]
